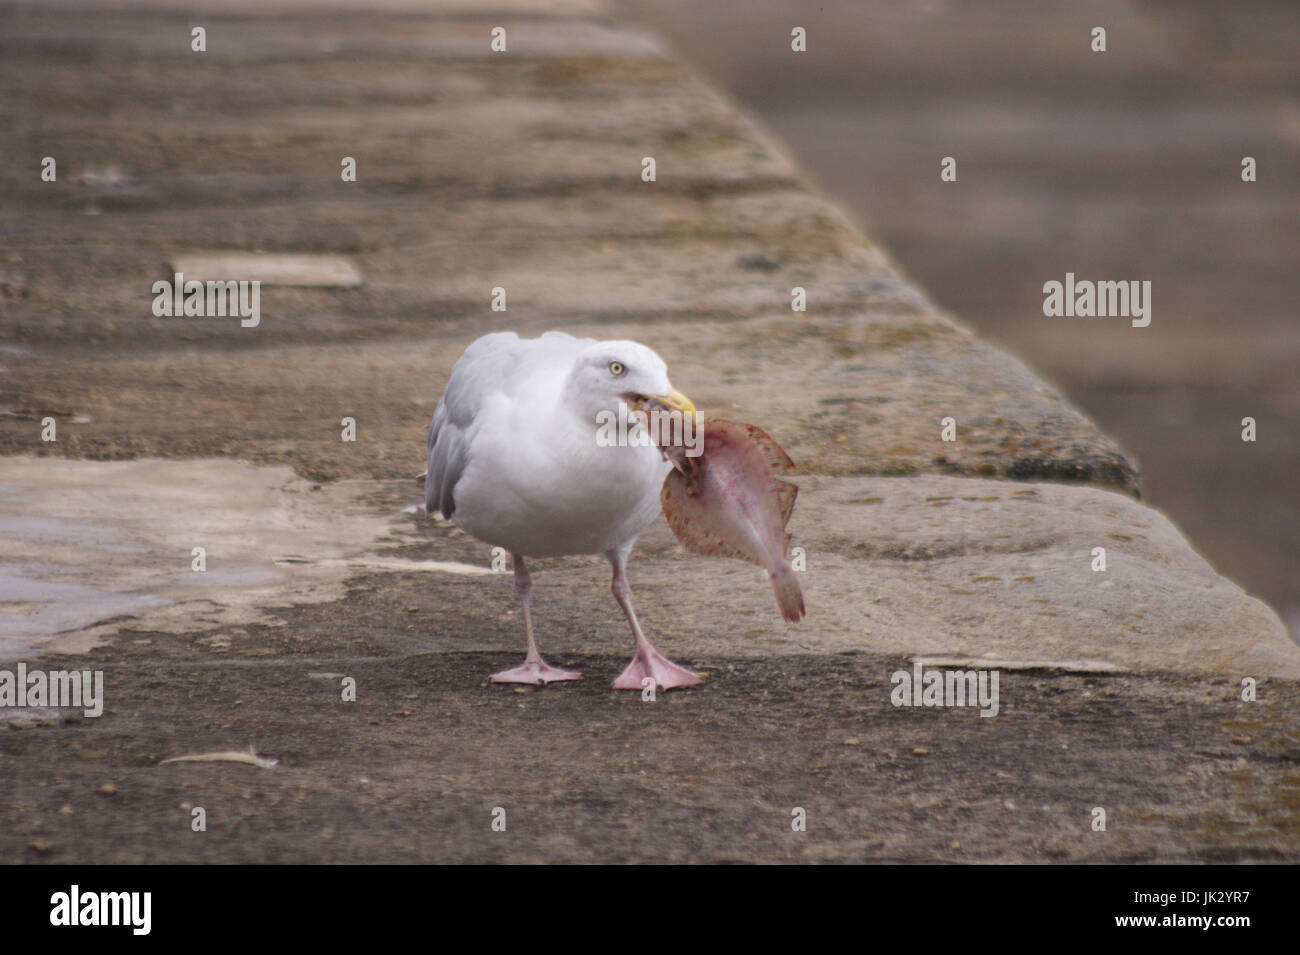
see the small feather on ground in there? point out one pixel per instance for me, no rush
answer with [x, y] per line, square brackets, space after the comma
[226, 756]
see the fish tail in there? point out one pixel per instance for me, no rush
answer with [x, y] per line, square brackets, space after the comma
[788, 595]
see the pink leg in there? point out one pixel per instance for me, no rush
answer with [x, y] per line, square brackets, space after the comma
[534, 669]
[648, 663]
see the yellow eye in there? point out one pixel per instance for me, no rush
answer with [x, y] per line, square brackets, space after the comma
[616, 368]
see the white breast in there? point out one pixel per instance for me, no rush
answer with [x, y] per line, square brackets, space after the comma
[553, 491]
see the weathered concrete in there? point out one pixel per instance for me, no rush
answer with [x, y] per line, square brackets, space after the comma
[460, 170]
[1106, 165]
[955, 567]
[523, 171]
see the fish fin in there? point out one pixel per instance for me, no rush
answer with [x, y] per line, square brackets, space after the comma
[785, 495]
[772, 452]
[789, 597]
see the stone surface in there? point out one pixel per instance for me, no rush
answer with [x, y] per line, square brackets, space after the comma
[932, 566]
[87, 547]
[1110, 166]
[461, 170]
[1121, 688]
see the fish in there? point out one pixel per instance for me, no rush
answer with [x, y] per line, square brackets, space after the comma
[726, 501]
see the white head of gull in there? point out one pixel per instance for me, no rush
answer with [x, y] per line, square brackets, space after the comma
[515, 460]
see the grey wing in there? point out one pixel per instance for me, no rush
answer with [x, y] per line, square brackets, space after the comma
[447, 455]
[492, 364]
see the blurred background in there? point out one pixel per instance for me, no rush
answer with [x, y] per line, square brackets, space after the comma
[1117, 165]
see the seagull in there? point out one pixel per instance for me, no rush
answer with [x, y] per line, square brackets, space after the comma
[516, 460]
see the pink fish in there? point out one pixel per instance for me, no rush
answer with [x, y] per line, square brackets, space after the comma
[726, 501]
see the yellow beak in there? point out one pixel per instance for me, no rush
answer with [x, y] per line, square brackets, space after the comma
[677, 401]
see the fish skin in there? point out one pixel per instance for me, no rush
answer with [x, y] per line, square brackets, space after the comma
[727, 502]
